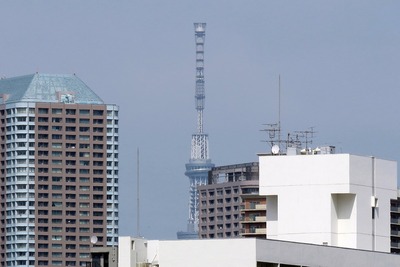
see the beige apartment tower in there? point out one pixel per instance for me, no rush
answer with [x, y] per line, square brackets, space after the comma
[59, 171]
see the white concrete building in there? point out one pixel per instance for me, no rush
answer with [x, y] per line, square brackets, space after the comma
[335, 199]
[244, 252]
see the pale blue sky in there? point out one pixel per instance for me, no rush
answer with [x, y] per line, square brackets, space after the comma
[338, 61]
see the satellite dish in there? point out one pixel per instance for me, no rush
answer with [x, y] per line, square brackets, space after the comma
[275, 149]
[93, 239]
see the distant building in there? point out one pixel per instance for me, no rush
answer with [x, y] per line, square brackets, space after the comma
[229, 189]
[58, 171]
[334, 199]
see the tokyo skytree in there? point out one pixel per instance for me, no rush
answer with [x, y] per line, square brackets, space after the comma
[200, 162]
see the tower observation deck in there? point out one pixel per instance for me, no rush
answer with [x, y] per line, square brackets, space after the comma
[200, 162]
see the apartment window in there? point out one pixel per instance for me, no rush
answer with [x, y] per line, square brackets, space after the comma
[70, 179]
[56, 179]
[56, 111]
[70, 204]
[56, 204]
[84, 213]
[84, 239]
[84, 162]
[97, 180]
[43, 110]
[56, 238]
[70, 137]
[43, 245]
[56, 145]
[84, 180]
[98, 112]
[84, 121]
[84, 137]
[56, 136]
[56, 153]
[70, 111]
[41, 128]
[83, 196]
[56, 187]
[57, 196]
[84, 205]
[56, 246]
[71, 213]
[84, 112]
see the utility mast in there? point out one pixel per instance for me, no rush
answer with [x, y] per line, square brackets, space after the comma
[199, 163]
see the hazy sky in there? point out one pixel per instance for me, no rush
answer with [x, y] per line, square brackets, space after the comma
[338, 61]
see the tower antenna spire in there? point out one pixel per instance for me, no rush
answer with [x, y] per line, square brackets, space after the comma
[200, 162]
[200, 35]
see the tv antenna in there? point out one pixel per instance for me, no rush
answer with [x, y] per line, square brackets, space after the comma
[307, 137]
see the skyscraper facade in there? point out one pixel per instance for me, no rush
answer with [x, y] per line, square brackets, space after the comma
[58, 171]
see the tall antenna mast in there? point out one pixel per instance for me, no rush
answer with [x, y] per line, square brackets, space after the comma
[138, 196]
[200, 36]
[279, 111]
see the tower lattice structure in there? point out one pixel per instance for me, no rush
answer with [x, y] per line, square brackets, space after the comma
[200, 162]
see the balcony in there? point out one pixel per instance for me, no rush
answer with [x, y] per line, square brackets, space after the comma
[253, 231]
[251, 207]
[254, 219]
[394, 244]
[395, 209]
[395, 233]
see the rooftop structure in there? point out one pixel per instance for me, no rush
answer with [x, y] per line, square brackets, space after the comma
[244, 252]
[200, 162]
[331, 199]
[49, 88]
[58, 171]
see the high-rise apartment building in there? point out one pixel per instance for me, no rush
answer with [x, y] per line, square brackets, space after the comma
[222, 199]
[58, 171]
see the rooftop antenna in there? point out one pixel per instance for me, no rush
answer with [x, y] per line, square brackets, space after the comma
[138, 196]
[274, 130]
[307, 135]
[279, 111]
